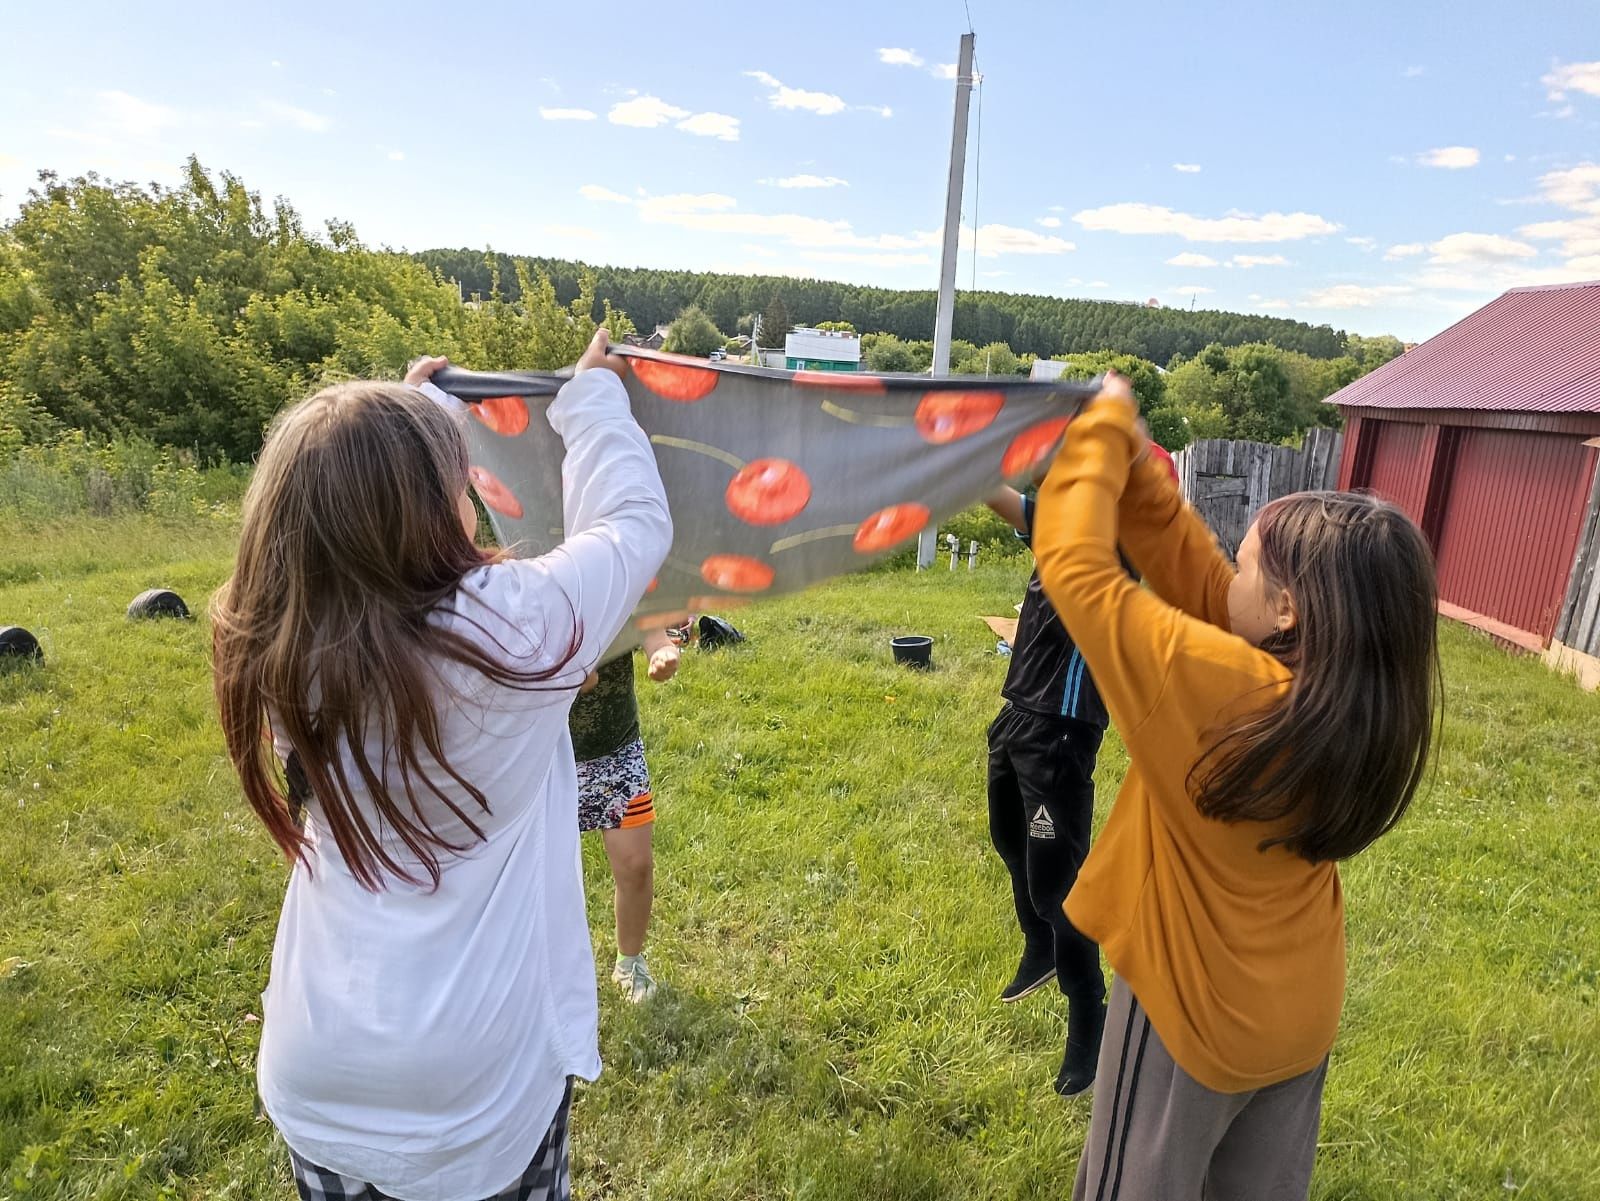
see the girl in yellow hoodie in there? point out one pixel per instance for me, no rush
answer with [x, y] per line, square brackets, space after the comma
[1278, 718]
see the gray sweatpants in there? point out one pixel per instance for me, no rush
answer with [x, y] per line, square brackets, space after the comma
[1157, 1134]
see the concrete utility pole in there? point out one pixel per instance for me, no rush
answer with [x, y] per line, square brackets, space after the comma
[928, 540]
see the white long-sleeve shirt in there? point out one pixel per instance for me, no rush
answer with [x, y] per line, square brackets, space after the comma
[421, 1039]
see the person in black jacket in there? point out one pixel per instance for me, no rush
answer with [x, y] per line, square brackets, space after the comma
[1042, 751]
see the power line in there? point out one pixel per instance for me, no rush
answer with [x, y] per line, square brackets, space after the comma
[977, 171]
[968, 7]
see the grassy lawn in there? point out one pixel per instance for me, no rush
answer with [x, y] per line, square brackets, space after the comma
[831, 922]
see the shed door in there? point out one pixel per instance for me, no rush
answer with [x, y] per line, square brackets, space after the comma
[1399, 466]
[1510, 526]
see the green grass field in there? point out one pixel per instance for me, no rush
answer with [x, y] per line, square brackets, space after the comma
[831, 922]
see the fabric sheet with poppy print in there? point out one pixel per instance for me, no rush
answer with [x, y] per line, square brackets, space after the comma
[776, 479]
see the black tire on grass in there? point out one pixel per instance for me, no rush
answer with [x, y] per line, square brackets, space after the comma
[18, 643]
[158, 602]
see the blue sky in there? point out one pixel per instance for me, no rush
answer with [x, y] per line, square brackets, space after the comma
[1381, 167]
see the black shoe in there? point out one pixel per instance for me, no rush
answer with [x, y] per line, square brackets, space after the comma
[1033, 973]
[1086, 1025]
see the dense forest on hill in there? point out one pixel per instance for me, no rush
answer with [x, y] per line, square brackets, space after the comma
[186, 317]
[1039, 325]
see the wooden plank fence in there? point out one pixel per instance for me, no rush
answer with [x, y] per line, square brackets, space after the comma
[1230, 482]
[1579, 624]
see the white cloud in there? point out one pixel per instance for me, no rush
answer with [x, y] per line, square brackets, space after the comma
[1135, 218]
[995, 240]
[1451, 158]
[883, 110]
[899, 58]
[1478, 248]
[808, 181]
[1364, 243]
[645, 112]
[566, 114]
[1187, 168]
[824, 104]
[593, 191]
[1474, 262]
[1191, 289]
[1413, 72]
[1058, 208]
[1258, 260]
[1576, 189]
[133, 117]
[1190, 259]
[714, 212]
[1048, 222]
[1404, 250]
[1573, 77]
[276, 63]
[870, 258]
[1353, 296]
[300, 118]
[1098, 283]
[579, 233]
[993, 274]
[712, 125]
[397, 156]
[945, 70]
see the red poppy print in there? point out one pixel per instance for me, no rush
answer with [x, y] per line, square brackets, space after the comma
[674, 381]
[737, 573]
[888, 527]
[1029, 448]
[505, 415]
[768, 492]
[493, 493]
[950, 416]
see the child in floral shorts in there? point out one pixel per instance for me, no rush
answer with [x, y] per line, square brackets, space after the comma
[614, 797]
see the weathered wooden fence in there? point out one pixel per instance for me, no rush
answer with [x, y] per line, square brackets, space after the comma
[1229, 482]
[1579, 624]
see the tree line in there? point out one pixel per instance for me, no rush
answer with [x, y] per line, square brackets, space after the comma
[1039, 325]
[188, 316]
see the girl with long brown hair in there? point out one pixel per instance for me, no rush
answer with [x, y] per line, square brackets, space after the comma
[1278, 718]
[432, 989]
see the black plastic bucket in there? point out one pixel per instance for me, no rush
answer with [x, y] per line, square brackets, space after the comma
[913, 650]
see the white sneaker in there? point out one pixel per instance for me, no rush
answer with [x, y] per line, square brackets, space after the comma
[632, 976]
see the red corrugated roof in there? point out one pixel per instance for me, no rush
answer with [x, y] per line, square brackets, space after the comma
[1533, 350]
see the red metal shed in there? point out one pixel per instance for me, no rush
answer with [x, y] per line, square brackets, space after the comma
[1486, 435]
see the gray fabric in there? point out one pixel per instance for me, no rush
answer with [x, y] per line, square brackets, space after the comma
[774, 477]
[1157, 1134]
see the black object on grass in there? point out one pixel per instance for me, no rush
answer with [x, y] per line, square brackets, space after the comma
[18, 643]
[158, 602]
[715, 632]
[913, 650]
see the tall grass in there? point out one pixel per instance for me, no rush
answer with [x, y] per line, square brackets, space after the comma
[72, 475]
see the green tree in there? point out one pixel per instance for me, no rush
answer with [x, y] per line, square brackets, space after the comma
[994, 359]
[1167, 424]
[837, 327]
[693, 333]
[775, 323]
[886, 353]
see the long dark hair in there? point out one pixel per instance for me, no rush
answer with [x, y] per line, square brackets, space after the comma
[1340, 756]
[351, 539]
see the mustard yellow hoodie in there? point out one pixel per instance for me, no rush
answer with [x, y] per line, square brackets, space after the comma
[1236, 954]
